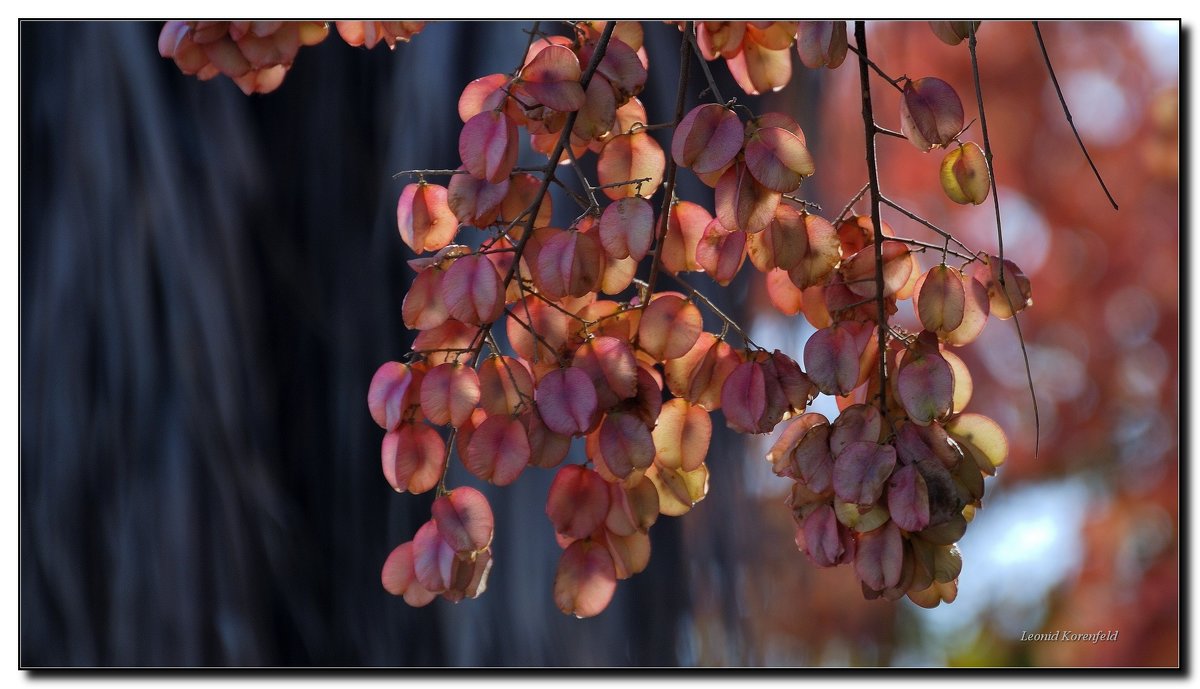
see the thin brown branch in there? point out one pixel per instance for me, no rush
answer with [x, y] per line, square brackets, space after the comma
[889, 132]
[861, 52]
[685, 62]
[690, 32]
[850, 205]
[926, 223]
[640, 180]
[868, 115]
[987, 153]
[725, 319]
[1067, 112]
[533, 34]
[583, 180]
[927, 245]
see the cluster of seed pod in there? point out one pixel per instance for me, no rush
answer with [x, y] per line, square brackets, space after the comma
[598, 354]
[256, 55]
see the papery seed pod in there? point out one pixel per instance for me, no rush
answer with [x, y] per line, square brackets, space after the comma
[707, 139]
[504, 385]
[778, 159]
[742, 202]
[413, 458]
[484, 93]
[940, 299]
[566, 401]
[522, 190]
[822, 254]
[488, 146]
[570, 263]
[625, 444]
[982, 438]
[678, 490]
[744, 397]
[621, 65]
[628, 157]
[855, 423]
[433, 558]
[612, 368]
[860, 471]
[633, 509]
[821, 43]
[552, 79]
[931, 114]
[468, 577]
[976, 307]
[721, 252]
[627, 228]
[449, 393]
[424, 218]
[784, 295]
[782, 244]
[630, 553]
[859, 270]
[390, 393]
[964, 174]
[499, 450]
[578, 501]
[782, 454]
[547, 449]
[925, 382]
[908, 499]
[585, 580]
[473, 291]
[369, 34]
[826, 542]
[682, 435]
[952, 32]
[669, 326]
[474, 201]
[1015, 296]
[758, 69]
[647, 404]
[879, 558]
[720, 39]
[685, 227]
[934, 595]
[399, 577]
[831, 358]
[464, 519]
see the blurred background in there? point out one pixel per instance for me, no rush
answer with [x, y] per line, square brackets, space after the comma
[209, 280]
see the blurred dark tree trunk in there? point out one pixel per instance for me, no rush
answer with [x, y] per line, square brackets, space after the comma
[208, 282]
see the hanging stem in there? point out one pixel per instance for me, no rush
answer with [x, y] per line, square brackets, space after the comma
[869, 129]
[685, 47]
[1067, 112]
[987, 153]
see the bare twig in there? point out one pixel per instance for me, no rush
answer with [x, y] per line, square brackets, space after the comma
[640, 180]
[987, 152]
[889, 132]
[925, 245]
[690, 32]
[860, 37]
[861, 52]
[587, 186]
[669, 187]
[946, 235]
[1067, 112]
[850, 205]
[725, 319]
